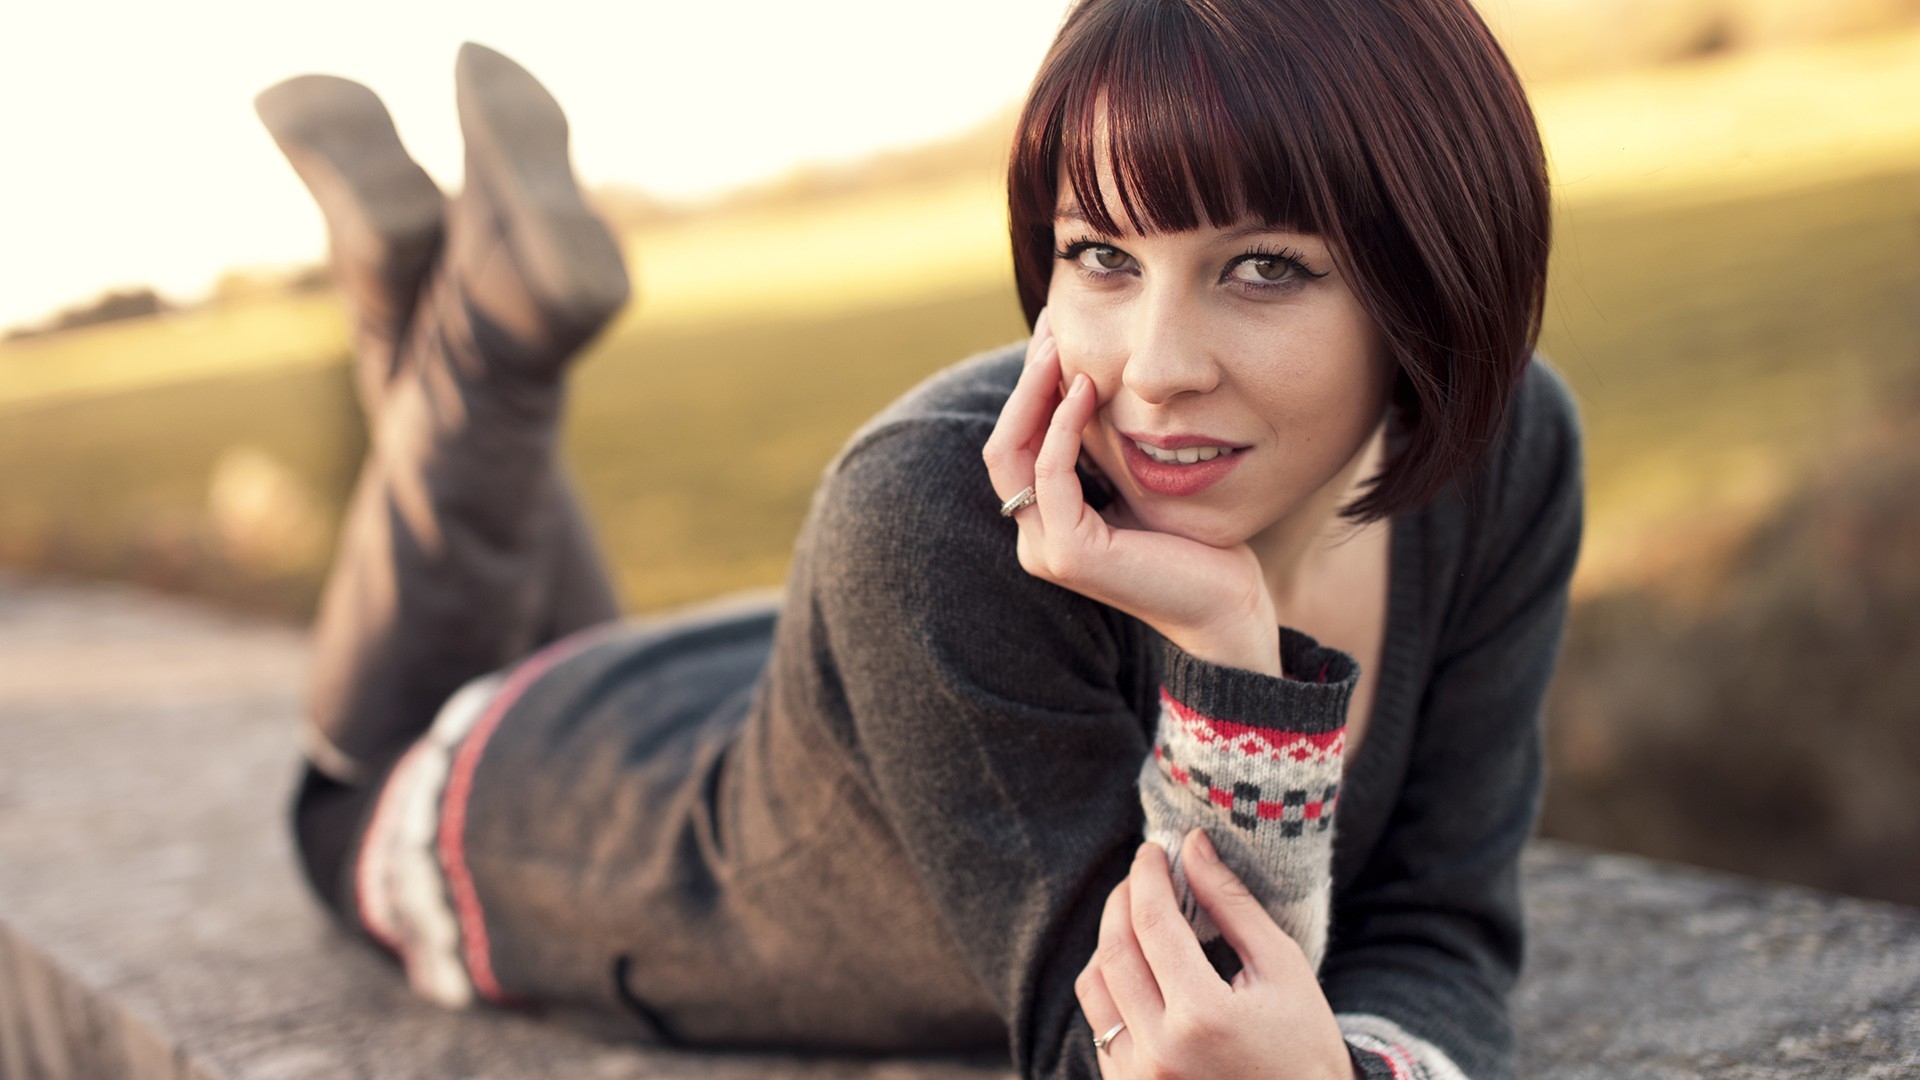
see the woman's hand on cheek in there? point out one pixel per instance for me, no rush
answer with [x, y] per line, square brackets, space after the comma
[1210, 601]
[1182, 1021]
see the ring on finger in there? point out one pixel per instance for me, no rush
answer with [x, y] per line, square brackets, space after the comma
[1101, 1042]
[1021, 499]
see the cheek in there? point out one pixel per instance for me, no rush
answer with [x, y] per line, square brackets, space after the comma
[1089, 338]
[1374, 366]
[1333, 370]
[1373, 369]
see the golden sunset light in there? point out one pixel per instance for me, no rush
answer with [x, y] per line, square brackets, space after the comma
[134, 156]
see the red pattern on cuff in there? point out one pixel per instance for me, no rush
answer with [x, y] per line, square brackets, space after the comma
[1272, 744]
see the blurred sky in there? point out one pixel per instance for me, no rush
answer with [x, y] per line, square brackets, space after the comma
[133, 155]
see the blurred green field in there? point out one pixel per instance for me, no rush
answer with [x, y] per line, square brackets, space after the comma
[1734, 286]
[1717, 348]
[1720, 348]
[696, 448]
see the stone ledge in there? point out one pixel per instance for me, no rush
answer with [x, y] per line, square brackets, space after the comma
[1645, 969]
[151, 923]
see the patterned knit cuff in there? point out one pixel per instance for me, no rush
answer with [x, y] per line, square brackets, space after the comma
[1255, 761]
[1383, 1050]
[1311, 699]
[1369, 1065]
[1263, 752]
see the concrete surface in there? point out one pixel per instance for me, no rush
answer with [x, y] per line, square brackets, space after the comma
[151, 924]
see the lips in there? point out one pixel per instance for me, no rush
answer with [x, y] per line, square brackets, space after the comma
[1184, 456]
[1197, 462]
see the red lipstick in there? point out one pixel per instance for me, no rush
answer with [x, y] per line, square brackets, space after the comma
[1161, 478]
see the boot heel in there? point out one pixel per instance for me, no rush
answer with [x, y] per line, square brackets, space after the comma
[517, 158]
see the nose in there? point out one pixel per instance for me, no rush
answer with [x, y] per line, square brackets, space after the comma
[1167, 354]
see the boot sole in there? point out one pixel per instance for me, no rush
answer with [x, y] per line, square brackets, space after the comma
[342, 143]
[516, 140]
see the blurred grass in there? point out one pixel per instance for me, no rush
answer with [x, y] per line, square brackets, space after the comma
[118, 485]
[698, 447]
[275, 333]
[1717, 348]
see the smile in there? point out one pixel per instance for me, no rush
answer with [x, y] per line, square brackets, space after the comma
[1186, 455]
[1179, 471]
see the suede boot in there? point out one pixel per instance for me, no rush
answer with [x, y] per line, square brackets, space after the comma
[538, 270]
[447, 568]
[383, 213]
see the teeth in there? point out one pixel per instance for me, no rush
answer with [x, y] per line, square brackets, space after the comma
[1187, 456]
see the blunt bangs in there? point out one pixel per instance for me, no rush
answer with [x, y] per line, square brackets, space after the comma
[1394, 129]
[1183, 141]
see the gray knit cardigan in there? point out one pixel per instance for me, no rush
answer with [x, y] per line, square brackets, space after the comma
[884, 816]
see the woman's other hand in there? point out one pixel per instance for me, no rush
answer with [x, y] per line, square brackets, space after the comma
[1182, 1020]
[1212, 602]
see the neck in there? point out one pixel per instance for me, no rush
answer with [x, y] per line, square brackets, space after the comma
[1291, 549]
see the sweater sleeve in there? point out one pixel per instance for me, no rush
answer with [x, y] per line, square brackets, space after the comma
[1427, 939]
[993, 717]
[1255, 762]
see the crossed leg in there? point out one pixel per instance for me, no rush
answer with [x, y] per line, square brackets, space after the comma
[464, 548]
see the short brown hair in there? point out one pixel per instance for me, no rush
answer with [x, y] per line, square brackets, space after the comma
[1396, 129]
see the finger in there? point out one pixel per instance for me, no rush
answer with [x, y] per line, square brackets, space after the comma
[1023, 419]
[1062, 503]
[1042, 333]
[1166, 940]
[1017, 434]
[1243, 921]
[1097, 1005]
[1043, 353]
[1128, 978]
[1096, 1001]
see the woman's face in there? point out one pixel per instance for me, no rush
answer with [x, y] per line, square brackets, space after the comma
[1237, 374]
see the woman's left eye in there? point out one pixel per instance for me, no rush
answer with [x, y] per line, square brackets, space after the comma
[1261, 269]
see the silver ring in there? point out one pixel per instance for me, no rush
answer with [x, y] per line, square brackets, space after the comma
[1101, 1042]
[1022, 499]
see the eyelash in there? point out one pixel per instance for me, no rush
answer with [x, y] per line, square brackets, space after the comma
[1071, 252]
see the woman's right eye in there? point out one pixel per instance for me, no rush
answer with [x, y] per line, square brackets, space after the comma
[1095, 257]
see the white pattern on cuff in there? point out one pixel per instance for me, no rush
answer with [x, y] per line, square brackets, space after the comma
[401, 883]
[1412, 1057]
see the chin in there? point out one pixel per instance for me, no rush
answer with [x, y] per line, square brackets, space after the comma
[1190, 523]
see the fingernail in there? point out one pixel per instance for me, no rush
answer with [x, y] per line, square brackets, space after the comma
[1203, 847]
[1080, 380]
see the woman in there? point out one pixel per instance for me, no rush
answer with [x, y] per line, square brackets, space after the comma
[1285, 261]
